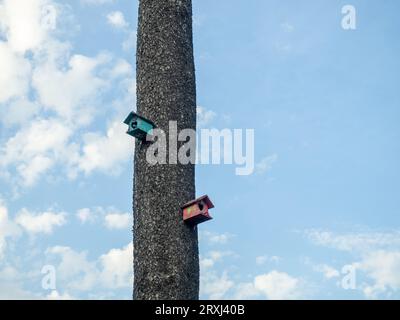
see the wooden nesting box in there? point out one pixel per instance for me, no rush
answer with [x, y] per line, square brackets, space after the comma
[138, 126]
[196, 211]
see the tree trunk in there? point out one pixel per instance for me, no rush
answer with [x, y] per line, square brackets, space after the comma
[166, 261]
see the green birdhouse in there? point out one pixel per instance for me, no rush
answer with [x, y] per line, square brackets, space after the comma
[138, 126]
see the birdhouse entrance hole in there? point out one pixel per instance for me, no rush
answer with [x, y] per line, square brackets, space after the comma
[196, 211]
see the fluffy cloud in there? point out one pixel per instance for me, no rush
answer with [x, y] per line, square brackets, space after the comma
[376, 256]
[38, 147]
[129, 44]
[274, 285]
[214, 286]
[40, 222]
[204, 116]
[106, 152]
[19, 111]
[85, 215]
[117, 267]
[52, 95]
[261, 260]
[118, 220]
[11, 285]
[277, 285]
[117, 19]
[216, 238]
[77, 273]
[328, 271]
[383, 268]
[14, 75]
[213, 257]
[74, 270]
[109, 217]
[27, 29]
[7, 228]
[55, 295]
[70, 92]
[356, 241]
[122, 68]
[34, 149]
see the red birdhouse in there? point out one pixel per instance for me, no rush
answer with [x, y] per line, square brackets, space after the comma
[196, 211]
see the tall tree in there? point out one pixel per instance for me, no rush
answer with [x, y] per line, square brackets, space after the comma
[166, 260]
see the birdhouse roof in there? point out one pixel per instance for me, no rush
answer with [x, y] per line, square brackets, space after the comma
[135, 115]
[205, 198]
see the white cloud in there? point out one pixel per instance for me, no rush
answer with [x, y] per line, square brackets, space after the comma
[246, 290]
[383, 268]
[204, 116]
[15, 291]
[71, 92]
[38, 147]
[68, 87]
[129, 44]
[34, 149]
[34, 169]
[261, 260]
[18, 111]
[74, 270]
[76, 273]
[218, 255]
[106, 153]
[27, 29]
[213, 257]
[122, 68]
[277, 285]
[8, 228]
[265, 165]
[216, 238]
[12, 284]
[118, 220]
[377, 256]
[214, 286]
[328, 271]
[110, 217]
[85, 215]
[14, 75]
[55, 295]
[356, 241]
[40, 222]
[117, 19]
[117, 267]
[206, 263]
[274, 285]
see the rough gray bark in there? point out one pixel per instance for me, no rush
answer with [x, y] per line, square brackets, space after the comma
[166, 261]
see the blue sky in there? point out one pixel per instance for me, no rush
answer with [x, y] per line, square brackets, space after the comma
[323, 102]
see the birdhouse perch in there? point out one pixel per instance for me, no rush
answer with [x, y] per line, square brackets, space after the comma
[196, 211]
[138, 126]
